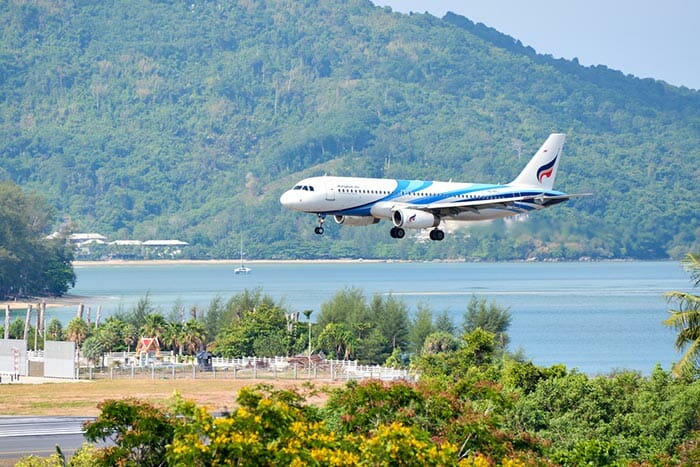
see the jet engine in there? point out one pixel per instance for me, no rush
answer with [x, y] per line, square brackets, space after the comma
[355, 220]
[414, 219]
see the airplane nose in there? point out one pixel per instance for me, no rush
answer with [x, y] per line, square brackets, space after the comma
[288, 199]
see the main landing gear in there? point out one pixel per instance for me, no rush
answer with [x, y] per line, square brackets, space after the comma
[435, 234]
[319, 230]
[397, 232]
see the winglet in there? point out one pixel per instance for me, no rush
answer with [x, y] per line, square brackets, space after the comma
[541, 171]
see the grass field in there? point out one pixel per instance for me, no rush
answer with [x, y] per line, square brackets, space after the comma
[82, 398]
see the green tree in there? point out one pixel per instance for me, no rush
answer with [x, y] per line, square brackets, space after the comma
[347, 306]
[337, 341]
[30, 263]
[129, 334]
[259, 331]
[439, 342]
[16, 330]
[489, 317]
[686, 320]
[421, 327]
[154, 326]
[368, 333]
[54, 330]
[77, 330]
[110, 334]
[137, 433]
[93, 349]
[214, 317]
[443, 323]
[193, 335]
[137, 315]
[391, 316]
[173, 336]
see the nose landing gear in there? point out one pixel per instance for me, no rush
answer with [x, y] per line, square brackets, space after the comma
[319, 230]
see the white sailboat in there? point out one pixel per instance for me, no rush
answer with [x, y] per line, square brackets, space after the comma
[242, 269]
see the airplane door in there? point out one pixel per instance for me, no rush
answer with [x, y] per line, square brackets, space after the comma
[330, 193]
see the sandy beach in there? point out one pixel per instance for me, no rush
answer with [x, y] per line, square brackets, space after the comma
[23, 304]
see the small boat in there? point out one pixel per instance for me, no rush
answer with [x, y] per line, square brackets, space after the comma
[242, 269]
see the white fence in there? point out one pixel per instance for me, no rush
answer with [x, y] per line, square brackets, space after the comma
[166, 366]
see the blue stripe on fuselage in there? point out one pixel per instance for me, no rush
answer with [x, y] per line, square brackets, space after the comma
[410, 189]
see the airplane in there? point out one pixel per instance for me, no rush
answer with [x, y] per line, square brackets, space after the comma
[418, 204]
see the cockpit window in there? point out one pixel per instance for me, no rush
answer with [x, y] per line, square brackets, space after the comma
[303, 187]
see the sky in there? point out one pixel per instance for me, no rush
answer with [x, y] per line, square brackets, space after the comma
[657, 39]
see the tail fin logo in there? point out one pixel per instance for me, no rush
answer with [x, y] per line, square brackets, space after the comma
[546, 170]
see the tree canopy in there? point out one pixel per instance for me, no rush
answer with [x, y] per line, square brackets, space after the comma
[169, 119]
[30, 262]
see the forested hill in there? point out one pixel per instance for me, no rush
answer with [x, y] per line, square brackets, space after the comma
[172, 119]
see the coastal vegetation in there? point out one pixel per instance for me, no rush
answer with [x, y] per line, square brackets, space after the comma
[473, 403]
[30, 262]
[186, 120]
[480, 407]
[686, 320]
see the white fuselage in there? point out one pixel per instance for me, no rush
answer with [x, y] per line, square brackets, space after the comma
[352, 196]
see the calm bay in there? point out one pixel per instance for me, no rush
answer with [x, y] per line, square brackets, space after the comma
[596, 317]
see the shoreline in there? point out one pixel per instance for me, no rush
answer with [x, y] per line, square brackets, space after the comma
[159, 262]
[51, 302]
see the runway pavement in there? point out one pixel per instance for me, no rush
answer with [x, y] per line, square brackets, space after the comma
[22, 436]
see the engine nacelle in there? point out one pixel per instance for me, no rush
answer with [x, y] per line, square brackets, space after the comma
[355, 220]
[414, 219]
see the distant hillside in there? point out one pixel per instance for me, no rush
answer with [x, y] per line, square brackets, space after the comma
[171, 119]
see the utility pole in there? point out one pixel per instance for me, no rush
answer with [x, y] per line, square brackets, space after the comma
[307, 313]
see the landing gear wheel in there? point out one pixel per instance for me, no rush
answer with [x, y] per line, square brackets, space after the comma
[437, 234]
[319, 230]
[397, 232]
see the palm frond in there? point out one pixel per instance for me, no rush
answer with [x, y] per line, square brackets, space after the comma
[691, 263]
[688, 361]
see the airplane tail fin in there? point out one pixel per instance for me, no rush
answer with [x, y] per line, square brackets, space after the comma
[541, 171]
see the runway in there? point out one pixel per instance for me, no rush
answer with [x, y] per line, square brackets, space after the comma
[24, 436]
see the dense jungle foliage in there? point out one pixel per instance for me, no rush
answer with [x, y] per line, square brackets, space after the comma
[30, 263]
[173, 119]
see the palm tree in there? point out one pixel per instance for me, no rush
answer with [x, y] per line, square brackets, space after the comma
[153, 326]
[129, 335]
[77, 330]
[173, 336]
[338, 340]
[194, 332]
[54, 331]
[686, 320]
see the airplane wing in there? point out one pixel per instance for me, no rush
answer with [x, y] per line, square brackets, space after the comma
[497, 201]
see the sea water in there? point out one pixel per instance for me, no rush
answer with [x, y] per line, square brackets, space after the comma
[596, 317]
